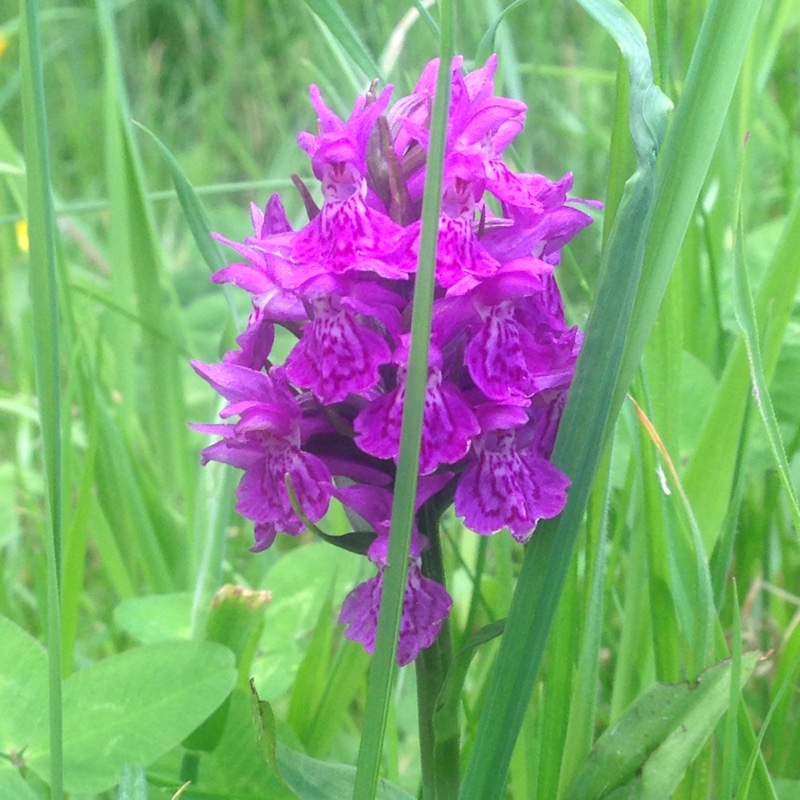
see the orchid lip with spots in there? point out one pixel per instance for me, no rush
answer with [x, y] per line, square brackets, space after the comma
[501, 355]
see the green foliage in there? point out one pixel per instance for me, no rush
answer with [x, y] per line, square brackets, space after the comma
[134, 707]
[646, 753]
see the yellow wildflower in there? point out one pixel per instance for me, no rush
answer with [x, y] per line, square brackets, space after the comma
[21, 227]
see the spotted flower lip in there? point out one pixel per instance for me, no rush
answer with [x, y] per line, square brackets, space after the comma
[506, 485]
[448, 421]
[332, 299]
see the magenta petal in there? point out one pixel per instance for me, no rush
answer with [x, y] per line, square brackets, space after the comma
[448, 425]
[360, 612]
[255, 342]
[460, 253]
[262, 494]
[502, 488]
[336, 355]
[377, 425]
[346, 235]
[425, 608]
[495, 358]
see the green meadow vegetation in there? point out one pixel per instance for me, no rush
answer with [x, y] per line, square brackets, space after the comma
[651, 647]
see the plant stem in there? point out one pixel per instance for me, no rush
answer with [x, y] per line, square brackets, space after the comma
[439, 759]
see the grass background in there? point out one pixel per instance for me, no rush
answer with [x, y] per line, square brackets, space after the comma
[223, 85]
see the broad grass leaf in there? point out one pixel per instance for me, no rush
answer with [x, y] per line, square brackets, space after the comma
[588, 417]
[156, 617]
[12, 784]
[647, 752]
[133, 708]
[23, 688]
[312, 779]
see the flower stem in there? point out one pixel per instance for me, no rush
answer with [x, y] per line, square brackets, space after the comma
[440, 759]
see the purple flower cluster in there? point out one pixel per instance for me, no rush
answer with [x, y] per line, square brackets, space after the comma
[501, 353]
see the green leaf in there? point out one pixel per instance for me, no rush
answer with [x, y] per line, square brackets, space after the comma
[237, 769]
[156, 617]
[647, 752]
[132, 708]
[12, 784]
[309, 778]
[23, 688]
[312, 779]
[748, 322]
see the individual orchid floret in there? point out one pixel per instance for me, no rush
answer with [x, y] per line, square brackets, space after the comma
[266, 444]
[350, 137]
[448, 423]
[258, 274]
[342, 349]
[461, 259]
[426, 604]
[539, 229]
[506, 485]
[522, 346]
[346, 234]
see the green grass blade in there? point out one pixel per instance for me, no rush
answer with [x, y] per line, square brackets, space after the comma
[487, 45]
[196, 218]
[44, 301]
[394, 583]
[786, 684]
[334, 18]
[748, 322]
[731, 728]
[700, 113]
[140, 277]
[583, 428]
[583, 699]
[711, 471]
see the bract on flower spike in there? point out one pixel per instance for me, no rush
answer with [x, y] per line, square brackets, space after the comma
[501, 356]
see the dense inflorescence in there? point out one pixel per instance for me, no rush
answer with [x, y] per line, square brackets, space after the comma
[501, 353]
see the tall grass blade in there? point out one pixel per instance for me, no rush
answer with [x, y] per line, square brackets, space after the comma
[710, 475]
[334, 18]
[403, 506]
[138, 270]
[44, 302]
[600, 385]
[731, 728]
[700, 113]
[746, 317]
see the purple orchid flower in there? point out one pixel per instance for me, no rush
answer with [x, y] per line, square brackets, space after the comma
[502, 354]
[426, 603]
